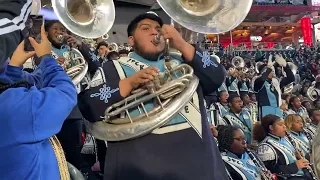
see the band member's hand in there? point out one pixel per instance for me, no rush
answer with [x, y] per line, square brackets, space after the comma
[281, 61]
[214, 130]
[19, 56]
[302, 163]
[44, 47]
[60, 60]
[73, 42]
[270, 62]
[177, 42]
[143, 76]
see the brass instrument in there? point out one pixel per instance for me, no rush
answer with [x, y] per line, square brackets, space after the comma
[114, 47]
[299, 155]
[313, 93]
[265, 173]
[253, 108]
[89, 19]
[169, 92]
[238, 64]
[75, 65]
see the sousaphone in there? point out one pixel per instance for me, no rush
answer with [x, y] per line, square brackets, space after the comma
[169, 95]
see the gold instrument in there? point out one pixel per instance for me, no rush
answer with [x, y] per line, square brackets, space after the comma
[174, 88]
[253, 109]
[299, 155]
[264, 172]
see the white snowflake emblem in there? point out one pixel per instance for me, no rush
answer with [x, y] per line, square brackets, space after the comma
[105, 93]
[206, 59]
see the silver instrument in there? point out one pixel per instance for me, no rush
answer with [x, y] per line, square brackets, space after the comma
[313, 93]
[173, 89]
[170, 97]
[265, 173]
[75, 65]
[299, 156]
[89, 19]
[207, 17]
[75, 174]
[238, 62]
[114, 47]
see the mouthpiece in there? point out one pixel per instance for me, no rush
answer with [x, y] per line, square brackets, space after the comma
[157, 39]
[61, 37]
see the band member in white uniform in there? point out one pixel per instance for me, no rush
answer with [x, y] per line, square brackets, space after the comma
[184, 147]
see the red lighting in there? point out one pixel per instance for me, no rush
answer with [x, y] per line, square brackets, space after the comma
[306, 30]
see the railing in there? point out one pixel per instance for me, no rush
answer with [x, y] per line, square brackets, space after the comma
[282, 3]
[247, 46]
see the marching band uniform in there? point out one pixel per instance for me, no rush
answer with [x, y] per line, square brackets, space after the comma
[232, 84]
[278, 154]
[302, 141]
[32, 116]
[163, 152]
[214, 115]
[105, 92]
[241, 168]
[269, 90]
[311, 129]
[222, 108]
[244, 86]
[243, 121]
[223, 87]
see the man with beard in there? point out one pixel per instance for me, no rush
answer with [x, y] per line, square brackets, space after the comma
[182, 149]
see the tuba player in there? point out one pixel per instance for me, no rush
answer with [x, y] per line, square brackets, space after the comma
[184, 147]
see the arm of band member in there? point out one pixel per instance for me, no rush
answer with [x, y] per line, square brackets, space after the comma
[210, 73]
[94, 101]
[258, 83]
[13, 15]
[56, 99]
[90, 57]
[290, 77]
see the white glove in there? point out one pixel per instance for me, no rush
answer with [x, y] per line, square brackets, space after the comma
[282, 62]
[270, 62]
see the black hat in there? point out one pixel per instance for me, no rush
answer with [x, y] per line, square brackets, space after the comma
[148, 15]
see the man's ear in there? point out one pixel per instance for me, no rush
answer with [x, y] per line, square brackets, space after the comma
[47, 34]
[131, 40]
